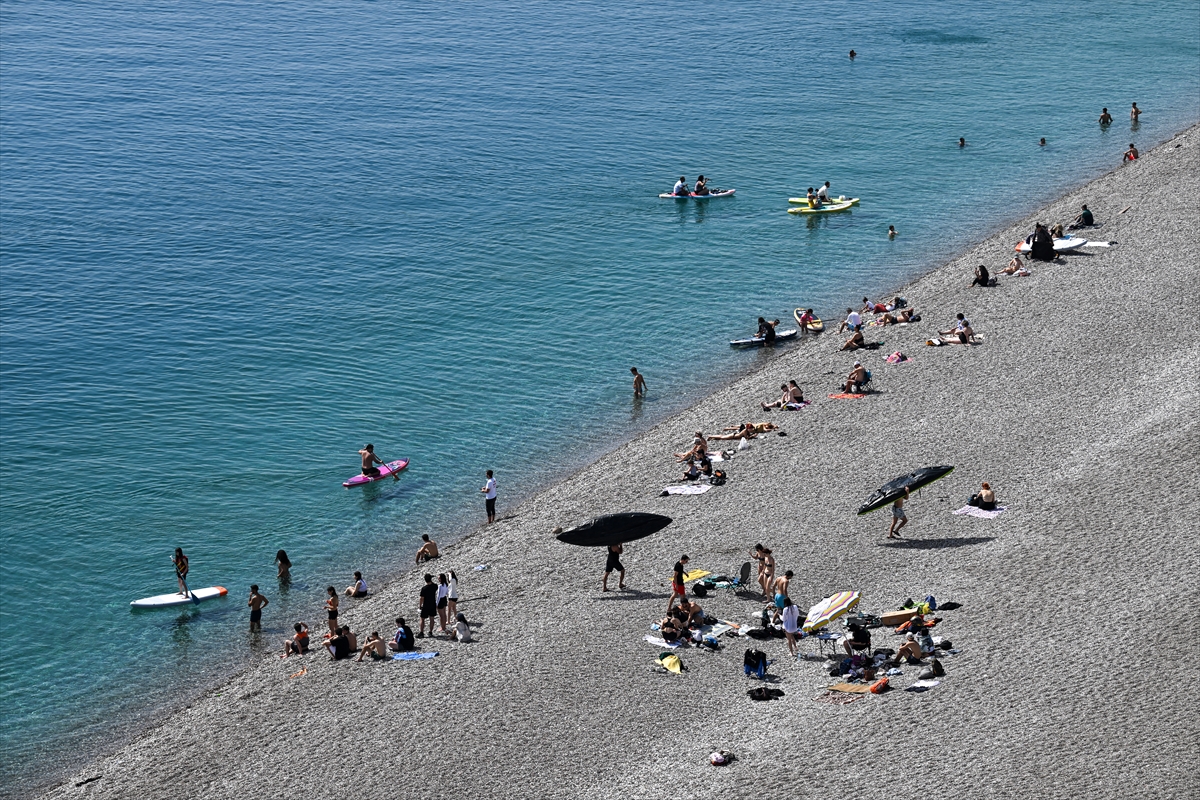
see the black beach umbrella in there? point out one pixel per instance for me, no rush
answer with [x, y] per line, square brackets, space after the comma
[893, 490]
[613, 529]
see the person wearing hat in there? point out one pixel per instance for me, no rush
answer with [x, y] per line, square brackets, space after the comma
[681, 188]
[856, 378]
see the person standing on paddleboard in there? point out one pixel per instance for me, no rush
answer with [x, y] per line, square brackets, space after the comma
[181, 569]
[489, 497]
[369, 460]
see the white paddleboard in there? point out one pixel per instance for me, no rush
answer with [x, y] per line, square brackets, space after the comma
[177, 599]
[1060, 245]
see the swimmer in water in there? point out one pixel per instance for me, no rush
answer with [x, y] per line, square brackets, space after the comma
[891, 231]
[962, 142]
[1105, 117]
[1042, 142]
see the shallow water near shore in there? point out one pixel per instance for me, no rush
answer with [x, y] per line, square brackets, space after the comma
[235, 246]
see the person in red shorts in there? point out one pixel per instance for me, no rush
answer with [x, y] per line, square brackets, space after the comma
[678, 590]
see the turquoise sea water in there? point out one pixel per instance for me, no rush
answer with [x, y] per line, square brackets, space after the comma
[237, 241]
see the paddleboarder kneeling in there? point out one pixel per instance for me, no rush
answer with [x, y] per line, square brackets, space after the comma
[181, 569]
[369, 460]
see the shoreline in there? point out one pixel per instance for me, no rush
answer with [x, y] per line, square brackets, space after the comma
[566, 495]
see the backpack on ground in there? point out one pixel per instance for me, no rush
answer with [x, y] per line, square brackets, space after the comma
[755, 663]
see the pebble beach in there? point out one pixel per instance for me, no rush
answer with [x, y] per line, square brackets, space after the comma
[1076, 672]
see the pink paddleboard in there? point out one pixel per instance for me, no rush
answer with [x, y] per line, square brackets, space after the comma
[390, 468]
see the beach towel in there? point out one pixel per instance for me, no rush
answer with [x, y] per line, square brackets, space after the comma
[849, 688]
[715, 630]
[897, 358]
[717, 456]
[658, 641]
[698, 488]
[922, 686]
[695, 575]
[797, 406]
[412, 656]
[837, 698]
[972, 511]
[846, 396]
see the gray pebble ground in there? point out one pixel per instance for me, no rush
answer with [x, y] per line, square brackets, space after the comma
[1078, 631]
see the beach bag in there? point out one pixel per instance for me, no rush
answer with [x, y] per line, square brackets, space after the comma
[743, 444]
[931, 602]
[699, 589]
[718, 478]
[879, 686]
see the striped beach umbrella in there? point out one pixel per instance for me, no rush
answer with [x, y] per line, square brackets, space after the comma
[828, 610]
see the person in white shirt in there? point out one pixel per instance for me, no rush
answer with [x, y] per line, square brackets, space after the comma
[358, 588]
[462, 631]
[681, 187]
[823, 193]
[791, 624]
[853, 321]
[489, 496]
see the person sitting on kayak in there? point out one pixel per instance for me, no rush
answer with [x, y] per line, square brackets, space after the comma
[823, 193]
[369, 459]
[766, 330]
[813, 200]
[681, 188]
[701, 187]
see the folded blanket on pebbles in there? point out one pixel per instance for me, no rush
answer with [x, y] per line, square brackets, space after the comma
[695, 488]
[412, 656]
[972, 511]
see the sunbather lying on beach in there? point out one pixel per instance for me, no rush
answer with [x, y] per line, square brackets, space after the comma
[854, 342]
[375, 646]
[906, 315]
[744, 431]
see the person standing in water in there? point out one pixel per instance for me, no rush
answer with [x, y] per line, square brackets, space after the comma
[285, 567]
[257, 604]
[489, 497]
[369, 460]
[962, 142]
[181, 569]
[639, 383]
[1105, 117]
[898, 516]
[1134, 113]
[891, 231]
[852, 55]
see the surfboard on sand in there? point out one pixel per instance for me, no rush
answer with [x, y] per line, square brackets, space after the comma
[385, 471]
[613, 529]
[178, 599]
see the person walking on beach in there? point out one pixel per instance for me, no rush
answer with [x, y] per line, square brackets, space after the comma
[331, 606]
[678, 588]
[257, 604]
[1105, 117]
[285, 567]
[614, 563]
[427, 604]
[639, 383]
[898, 516]
[489, 496]
[369, 460]
[181, 569]
[428, 551]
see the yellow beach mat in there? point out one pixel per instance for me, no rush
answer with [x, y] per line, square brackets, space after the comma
[670, 662]
[695, 575]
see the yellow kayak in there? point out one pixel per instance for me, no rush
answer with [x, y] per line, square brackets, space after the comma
[803, 201]
[826, 209]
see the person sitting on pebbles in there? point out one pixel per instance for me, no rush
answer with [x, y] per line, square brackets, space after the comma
[855, 341]
[783, 400]
[1015, 267]
[692, 472]
[985, 499]
[699, 448]
[358, 588]
[695, 615]
[961, 333]
[375, 646]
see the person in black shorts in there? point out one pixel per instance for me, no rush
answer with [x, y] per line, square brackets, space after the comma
[257, 603]
[331, 605]
[614, 563]
[427, 604]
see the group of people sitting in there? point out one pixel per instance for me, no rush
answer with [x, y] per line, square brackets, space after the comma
[960, 333]
[683, 622]
[680, 189]
[818, 198]
[792, 397]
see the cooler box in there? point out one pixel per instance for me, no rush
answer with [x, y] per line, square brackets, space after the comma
[893, 618]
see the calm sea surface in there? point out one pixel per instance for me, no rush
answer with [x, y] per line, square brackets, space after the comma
[239, 240]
